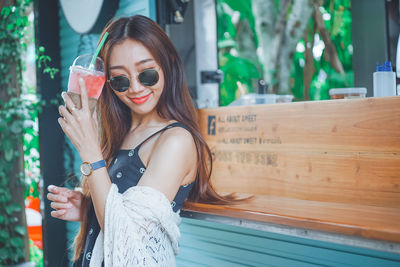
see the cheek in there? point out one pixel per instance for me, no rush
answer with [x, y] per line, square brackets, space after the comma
[160, 89]
[120, 96]
[161, 84]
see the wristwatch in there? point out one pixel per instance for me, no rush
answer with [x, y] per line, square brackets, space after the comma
[87, 168]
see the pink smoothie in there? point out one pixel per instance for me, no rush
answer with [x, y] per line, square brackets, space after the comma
[94, 81]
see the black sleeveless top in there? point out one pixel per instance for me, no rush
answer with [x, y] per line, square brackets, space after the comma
[125, 171]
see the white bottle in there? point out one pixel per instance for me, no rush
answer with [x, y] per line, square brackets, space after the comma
[384, 80]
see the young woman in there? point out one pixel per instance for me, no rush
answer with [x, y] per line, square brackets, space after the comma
[150, 159]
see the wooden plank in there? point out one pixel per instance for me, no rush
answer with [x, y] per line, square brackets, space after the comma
[345, 151]
[352, 219]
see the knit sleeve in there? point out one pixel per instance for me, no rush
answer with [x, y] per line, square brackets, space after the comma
[140, 228]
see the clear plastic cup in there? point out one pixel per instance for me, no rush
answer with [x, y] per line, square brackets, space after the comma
[347, 93]
[93, 77]
[254, 99]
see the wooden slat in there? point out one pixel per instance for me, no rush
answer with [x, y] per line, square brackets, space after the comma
[360, 220]
[336, 151]
[325, 165]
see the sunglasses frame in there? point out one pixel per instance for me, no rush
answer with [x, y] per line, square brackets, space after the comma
[138, 79]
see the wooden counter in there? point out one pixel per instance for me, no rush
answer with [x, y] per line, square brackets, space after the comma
[331, 166]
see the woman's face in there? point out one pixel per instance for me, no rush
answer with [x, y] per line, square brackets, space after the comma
[129, 59]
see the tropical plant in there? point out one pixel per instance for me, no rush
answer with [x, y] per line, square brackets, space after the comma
[17, 117]
[298, 47]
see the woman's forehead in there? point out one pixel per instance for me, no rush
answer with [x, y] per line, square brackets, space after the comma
[130, 52]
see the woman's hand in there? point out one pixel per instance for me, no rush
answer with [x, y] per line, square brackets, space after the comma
[66, 202]
[80, 127]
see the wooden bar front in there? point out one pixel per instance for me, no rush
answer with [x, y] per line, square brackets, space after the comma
[325, 165]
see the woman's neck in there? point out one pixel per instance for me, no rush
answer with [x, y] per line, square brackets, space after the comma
[145, 121]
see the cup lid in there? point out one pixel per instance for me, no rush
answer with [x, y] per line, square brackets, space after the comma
[345, 91]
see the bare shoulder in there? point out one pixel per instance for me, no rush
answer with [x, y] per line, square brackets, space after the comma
[178, 145]
[176, 136]
[172, 162]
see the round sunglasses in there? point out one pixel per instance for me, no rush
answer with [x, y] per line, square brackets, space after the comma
[122, 83]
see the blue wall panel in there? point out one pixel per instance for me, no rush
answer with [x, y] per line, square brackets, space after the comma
[213, 244]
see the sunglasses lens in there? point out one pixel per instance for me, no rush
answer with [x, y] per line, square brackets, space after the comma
[148, 77]
[119, 83]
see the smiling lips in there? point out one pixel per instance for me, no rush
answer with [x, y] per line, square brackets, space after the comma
[140, 100]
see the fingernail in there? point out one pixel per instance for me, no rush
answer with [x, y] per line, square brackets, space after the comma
[63, 95]
[50, 187]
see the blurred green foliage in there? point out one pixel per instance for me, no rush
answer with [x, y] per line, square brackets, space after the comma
[19, 109]
[14, 110]
[36, 255]
[244, 66]
[236, 67]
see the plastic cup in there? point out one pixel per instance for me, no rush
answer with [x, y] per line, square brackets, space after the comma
[347, 93]
[93, 76]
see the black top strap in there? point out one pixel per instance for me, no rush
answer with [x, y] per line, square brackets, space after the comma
[175, 124]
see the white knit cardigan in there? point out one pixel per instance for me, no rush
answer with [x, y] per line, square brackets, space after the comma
[140, 229]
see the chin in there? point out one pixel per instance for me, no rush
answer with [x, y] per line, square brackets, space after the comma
[142, 109]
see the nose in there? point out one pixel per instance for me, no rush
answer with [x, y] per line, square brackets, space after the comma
[136, 87]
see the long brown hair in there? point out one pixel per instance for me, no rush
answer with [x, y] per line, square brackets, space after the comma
[175, 103]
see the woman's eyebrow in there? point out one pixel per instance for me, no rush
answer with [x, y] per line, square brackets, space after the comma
[136, 64]
[144, 61]
[116, 67]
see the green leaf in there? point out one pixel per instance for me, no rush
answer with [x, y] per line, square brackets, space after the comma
[3, 254]
[17, 242]
[10, 26]
[20, 229]
[12, 208]
[4, 235]
[5, 11]
[16, 127]
[8, 154]
[20, 22]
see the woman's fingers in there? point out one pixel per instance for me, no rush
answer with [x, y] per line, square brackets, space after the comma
[57, 198]
[58, 205]
[66, 128]
[94, 117]
[84, 95]
[53, 189]
[64, 112]
[58, 213]
[74, 134]
[66, 203]
[74, 194]
[68, 102]
[59, 193]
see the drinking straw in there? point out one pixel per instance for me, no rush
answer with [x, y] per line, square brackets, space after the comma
[91, 66]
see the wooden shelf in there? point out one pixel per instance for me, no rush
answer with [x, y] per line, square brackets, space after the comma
[359, 220]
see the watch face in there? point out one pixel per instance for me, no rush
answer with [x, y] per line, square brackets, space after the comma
[86, 169]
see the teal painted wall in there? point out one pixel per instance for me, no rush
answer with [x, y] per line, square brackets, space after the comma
[213, 244]
[72, 44]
